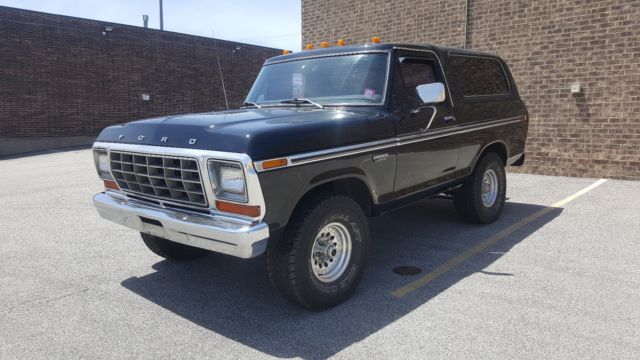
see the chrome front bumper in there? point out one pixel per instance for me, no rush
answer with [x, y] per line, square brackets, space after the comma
[215, 233]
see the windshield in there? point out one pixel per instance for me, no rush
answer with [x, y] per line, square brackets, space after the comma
[333, 80]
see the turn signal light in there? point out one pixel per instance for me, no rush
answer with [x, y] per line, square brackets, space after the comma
[246, 210]
[375, 40]
[309, 46]
[270, 164]
[324, 44]
[340, 42]
[110, 184]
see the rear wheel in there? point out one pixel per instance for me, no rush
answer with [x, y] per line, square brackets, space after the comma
[322, 255]
[171, 250]
[481, 198]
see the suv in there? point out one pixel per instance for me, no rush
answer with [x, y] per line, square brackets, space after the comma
[325, 139]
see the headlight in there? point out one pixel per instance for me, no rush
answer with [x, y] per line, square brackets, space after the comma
[101, 159]
[227, 179]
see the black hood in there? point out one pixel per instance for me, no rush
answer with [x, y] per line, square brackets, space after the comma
[260, 133]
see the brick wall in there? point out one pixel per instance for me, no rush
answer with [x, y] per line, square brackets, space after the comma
[548, 44]
[63, 76]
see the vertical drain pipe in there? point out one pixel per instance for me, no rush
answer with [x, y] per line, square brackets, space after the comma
[466, 23]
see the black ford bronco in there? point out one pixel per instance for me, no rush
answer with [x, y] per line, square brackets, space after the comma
[325, 139]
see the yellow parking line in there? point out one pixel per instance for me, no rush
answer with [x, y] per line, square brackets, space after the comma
[459, 259]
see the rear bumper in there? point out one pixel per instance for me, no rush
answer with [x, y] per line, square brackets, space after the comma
[213, 233]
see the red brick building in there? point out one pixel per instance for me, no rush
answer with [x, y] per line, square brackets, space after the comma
[549, 45]
[63, 79]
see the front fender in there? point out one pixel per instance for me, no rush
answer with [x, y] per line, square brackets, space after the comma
[284, 188]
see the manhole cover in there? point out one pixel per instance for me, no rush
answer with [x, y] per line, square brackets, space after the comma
[407, 270]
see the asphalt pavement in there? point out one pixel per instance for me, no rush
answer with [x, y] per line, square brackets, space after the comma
[557, 277]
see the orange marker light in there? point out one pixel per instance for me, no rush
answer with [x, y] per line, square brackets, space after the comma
[309, 46]
[341, 42]
[375, 40]
[270, 164]
[285, 52]
[324, 44]
[112, 185]
[246, 210]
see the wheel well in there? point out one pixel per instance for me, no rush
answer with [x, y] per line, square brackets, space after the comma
[497, 147]
[351, 187]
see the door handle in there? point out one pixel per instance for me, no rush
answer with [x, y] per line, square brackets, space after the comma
[449, 118]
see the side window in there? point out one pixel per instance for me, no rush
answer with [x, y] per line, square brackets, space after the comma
[480, 76]
[411, 72]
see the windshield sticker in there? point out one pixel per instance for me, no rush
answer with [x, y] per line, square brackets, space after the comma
[370, 93]
[297, 84]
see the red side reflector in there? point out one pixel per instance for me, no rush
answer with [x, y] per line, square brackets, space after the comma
[110, 184]
[246, 210]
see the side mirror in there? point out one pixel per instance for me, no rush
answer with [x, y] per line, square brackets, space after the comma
[431, 93]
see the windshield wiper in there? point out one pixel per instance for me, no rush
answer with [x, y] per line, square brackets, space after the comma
[301, 101]
[250, 103]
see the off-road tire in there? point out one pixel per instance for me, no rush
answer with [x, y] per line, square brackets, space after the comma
[289, 260]
[171, 250]
[468, 199]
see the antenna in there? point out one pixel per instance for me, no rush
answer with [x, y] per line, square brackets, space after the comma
[161, 17]
[224, 90]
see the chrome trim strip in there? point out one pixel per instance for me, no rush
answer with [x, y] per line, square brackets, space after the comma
[514, 158]
[444, 75]
[461, 130]
[254, 191]
[320, 155]
[341, 151]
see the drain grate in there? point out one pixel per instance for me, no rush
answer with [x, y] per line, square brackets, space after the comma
[407, 270]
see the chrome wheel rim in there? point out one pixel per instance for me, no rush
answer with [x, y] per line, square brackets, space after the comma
[489, 188]
[331, 252]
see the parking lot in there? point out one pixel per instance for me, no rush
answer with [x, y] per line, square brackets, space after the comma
[558, 276]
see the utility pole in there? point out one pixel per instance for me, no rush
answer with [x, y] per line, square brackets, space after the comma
[161, 19]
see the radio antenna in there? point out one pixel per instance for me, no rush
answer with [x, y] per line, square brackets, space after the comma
[224, 90]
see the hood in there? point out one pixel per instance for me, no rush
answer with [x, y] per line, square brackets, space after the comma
[259, 133]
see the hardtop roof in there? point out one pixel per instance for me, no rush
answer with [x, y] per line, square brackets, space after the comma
[440, 50]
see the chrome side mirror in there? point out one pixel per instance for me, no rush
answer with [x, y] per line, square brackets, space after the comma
[431, 93]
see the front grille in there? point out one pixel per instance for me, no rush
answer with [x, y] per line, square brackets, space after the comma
[174, 179]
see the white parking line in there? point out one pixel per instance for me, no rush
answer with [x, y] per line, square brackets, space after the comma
[459, 259]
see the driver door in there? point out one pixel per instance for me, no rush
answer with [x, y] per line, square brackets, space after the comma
[425, 158]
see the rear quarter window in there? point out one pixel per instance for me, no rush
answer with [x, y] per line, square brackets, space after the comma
[480, 76]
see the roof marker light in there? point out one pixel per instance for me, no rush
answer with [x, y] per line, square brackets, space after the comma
[340, 42]
[285, 52]
[375, 40]
[324, 44]
[309, 46]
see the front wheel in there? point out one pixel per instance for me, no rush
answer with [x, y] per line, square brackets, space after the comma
[322, 255]
[481, 198]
